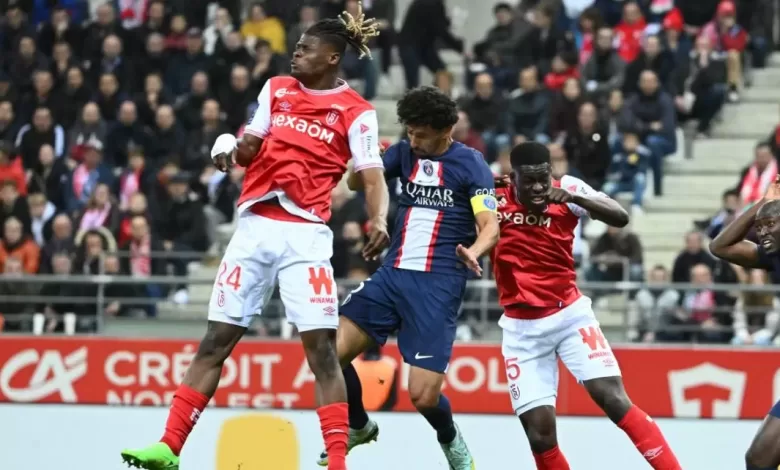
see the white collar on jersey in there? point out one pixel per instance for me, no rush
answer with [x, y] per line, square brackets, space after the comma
[343, 86]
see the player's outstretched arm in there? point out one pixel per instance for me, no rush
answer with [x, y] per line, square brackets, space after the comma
[602, 208]
[730, 244]
[377, 203]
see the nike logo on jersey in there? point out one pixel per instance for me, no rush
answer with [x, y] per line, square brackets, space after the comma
[418, 356]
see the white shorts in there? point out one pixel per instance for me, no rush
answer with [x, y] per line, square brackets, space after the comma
[531, 349]
[265, 251]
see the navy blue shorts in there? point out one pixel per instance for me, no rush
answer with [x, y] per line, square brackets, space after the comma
[421, 306]
[775, 411]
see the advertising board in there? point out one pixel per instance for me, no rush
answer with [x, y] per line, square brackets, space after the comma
[72, 437]
[666, 382]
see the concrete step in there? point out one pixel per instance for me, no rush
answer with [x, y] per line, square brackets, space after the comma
[678, 185]
[774, 61]
[662, 257]
[768, 77]
[697, 204]
[748, 121]
[762, 93]
[661, 222]
[716, 156]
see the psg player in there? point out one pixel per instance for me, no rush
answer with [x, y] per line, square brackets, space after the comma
[730, 245]
[295, 148]
[546, 317]
[446, 221]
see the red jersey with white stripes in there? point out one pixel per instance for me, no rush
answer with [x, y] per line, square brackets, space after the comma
[437, 205]
[308, 138]
[533, 262]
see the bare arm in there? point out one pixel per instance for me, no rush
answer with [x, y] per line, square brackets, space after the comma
[730, 244]
[604, 209]
[247, 149]
[487, 226]
[377, 203]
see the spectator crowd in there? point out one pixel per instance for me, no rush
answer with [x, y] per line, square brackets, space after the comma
[108, 112]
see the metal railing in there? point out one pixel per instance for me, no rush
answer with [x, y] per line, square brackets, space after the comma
[480, 304]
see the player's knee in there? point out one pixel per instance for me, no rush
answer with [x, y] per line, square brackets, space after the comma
[539, 425]
[218, 343]
[424, 396]
[320, 347]
[610, 395]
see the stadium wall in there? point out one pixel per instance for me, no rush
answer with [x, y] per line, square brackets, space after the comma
[76, 437]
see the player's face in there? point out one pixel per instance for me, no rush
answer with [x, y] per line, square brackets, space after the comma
[768, 232]
[428, 142]
[533, 183]
[312, 58]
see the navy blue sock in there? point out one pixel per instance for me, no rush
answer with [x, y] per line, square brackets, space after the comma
[357, 413]
[440, 418]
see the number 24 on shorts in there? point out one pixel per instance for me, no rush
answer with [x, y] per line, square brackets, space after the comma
[233, 279]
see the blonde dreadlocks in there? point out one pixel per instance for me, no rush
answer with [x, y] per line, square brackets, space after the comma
[347, 29]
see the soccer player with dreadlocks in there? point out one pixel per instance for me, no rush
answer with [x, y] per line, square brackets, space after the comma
[295, 150]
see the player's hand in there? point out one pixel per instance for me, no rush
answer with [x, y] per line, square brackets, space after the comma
[773, 191]
[377, 239]
[559, 196]
[469, 259]
[502, 181]
[222, 152]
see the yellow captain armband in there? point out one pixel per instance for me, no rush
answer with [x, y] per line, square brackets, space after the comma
[484, 202]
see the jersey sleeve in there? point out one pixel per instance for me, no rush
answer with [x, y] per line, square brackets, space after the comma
[260, 122]
[481, 187]
[392, 162]
[364, 141]
[577, 186]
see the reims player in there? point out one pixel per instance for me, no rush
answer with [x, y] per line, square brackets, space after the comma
[446, 221]
[296, 149]
[730, 245]
[546, 317]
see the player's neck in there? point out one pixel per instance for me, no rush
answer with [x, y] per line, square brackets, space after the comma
[443, 147]
[327, 82]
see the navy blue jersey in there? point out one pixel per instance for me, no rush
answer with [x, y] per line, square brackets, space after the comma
[439, 198]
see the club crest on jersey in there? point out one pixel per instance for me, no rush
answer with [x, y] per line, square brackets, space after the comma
[285, 106]
[331, 118]
[427, 173]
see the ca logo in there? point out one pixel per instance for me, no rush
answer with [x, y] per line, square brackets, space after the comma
[53, 374]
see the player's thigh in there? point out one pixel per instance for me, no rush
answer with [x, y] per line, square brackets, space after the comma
[368, 315]
[764, 451]
[531, 366]
[582, 346]
[428, 304]
[246, 277]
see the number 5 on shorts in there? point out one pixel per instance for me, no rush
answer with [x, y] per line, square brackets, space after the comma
[512, 368]
[233, 279]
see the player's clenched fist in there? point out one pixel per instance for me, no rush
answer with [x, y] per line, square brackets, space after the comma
[559, 196]
[377, 239]
[222, 151]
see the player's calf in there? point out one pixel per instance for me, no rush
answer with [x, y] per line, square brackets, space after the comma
[764, 452]
[610, 395]
[320, 349]
[540, 429]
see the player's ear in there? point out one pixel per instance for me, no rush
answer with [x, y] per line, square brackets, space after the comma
[334, 59]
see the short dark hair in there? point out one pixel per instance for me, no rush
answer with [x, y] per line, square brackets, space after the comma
[427, 106]
[501, 6]
[730, 193]
[346, 30]
[769, 209]
[529, 153]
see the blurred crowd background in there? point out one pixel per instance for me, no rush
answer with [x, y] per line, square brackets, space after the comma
[112, 210]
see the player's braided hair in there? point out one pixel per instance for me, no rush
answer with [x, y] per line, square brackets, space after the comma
[347, 29]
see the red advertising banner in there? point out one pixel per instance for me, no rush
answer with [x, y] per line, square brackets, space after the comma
[665, 382]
